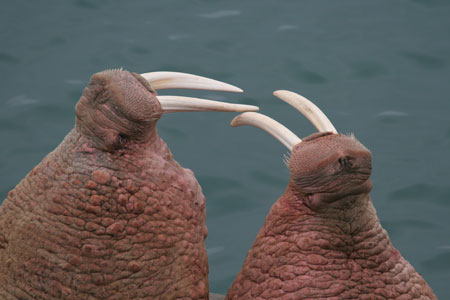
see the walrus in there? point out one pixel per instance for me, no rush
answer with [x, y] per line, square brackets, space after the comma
[322, 238]
[109, 214]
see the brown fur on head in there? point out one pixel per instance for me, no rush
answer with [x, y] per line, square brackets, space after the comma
[116, 108]
[327, 167]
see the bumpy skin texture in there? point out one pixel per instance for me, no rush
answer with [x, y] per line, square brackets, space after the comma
[108, 214]
[322, 238]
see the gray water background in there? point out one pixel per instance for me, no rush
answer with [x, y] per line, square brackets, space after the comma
[379, 69]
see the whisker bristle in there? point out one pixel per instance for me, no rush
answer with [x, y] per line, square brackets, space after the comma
[287, 159]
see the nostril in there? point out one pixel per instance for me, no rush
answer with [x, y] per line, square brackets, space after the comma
[341, 161]
[122, 139]
[346, 161]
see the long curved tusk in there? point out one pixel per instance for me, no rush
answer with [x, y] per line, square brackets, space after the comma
[308, 109]
[177, 80]
[269, 125]
[172, 104]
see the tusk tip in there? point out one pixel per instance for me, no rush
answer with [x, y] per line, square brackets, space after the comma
[234, 122]
[233, 89]
[281, 93]
[229, 88]
[248, 108]
[237, 120]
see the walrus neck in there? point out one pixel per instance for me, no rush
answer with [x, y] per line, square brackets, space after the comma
[349, 229]
[338, 253]
[84, 219]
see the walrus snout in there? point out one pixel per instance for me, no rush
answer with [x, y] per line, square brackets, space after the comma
[358, 162]
[346, 161]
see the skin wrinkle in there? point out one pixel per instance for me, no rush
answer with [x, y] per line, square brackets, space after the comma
[330, 250]
[93, 221]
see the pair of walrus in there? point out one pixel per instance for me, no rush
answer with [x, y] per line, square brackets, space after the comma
[110, 215]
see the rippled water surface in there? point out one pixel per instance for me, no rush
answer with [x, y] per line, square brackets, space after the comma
[379, 69]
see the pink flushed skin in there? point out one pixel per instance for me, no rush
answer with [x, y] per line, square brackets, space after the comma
[326, 246]
[103, 216]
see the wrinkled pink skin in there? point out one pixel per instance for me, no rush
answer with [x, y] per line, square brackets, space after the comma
[322, 238]
[105, 216]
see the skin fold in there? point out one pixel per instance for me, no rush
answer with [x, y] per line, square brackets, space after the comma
[322, 239]
[109, 214]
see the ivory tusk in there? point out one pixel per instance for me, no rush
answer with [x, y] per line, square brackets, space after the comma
[269, 125]
[177, 80]
[172, 104]
[308, 109]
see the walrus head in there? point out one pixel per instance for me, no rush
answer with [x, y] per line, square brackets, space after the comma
[120, 108]
[325, 166]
